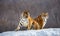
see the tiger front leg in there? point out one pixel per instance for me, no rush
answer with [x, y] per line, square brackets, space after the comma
[36, 26]
[29, 27]
[18, 28]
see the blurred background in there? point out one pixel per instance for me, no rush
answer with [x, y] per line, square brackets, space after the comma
[10, 11]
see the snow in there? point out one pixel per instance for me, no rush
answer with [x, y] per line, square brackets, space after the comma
[42, 32]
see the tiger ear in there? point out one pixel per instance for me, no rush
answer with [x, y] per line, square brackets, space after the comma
[25, 11]
[46, 13]
[42, 13]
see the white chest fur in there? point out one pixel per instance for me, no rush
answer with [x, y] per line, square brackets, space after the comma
[45, 21]
[24, 21]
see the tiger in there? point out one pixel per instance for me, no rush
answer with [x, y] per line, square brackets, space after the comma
[42, 19]
[27, 21]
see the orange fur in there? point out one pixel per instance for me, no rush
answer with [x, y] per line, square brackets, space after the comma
[38, 23]
[32, 22]
[40, 19]
[25, 14]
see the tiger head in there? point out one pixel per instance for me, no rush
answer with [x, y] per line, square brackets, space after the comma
[44, 15]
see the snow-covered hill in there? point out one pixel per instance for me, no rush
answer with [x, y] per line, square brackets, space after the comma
[43, 32]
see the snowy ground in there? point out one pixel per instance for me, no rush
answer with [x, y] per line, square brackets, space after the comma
[43, 32]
